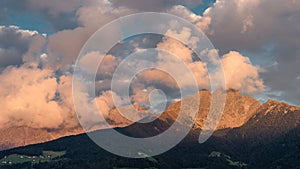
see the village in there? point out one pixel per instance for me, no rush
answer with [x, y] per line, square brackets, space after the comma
[19, 159]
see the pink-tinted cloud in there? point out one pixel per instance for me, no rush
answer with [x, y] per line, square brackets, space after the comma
[27, 98]
[240, 74]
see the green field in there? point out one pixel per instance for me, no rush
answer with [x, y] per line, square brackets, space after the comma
[53, 154]
[19, 159]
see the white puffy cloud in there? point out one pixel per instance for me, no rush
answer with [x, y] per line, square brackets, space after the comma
[240, 74]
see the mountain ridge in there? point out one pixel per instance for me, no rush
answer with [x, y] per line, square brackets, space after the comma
[275, 146]
[239, 109]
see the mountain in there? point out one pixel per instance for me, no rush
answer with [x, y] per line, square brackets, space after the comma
[250, 135]
[117, 119]
[273, 119]
[238, 109]
[269, 139]
[23, 135]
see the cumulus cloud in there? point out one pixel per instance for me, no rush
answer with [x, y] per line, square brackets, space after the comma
[64, 46]
[240, 74]
[18, 46]
[184, 53]
[92, 112]
[183, 12]
[107, 101]
[36, 98]
[141, 94]
[65, 100]
[104, 69]
[27, 98]
[177, 48]
[268, 32]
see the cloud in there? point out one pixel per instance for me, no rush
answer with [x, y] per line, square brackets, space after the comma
[177, 48]
[64, 46]
[65, 100]
[247, 24]
[36, 98]
[184, 53]
[92, 112]
[58, 14]
[141, 94]
[63, 15]
[18, 46]
[184, 12]
[240, 74]
[268, 32]
[27, 98]
[100, 13]
[107, 101]
[104, 70]
[54, 7]
[153, 5]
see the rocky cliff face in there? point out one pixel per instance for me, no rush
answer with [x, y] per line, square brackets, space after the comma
[238, 109]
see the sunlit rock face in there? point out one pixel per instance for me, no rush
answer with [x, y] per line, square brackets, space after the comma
[238, 109]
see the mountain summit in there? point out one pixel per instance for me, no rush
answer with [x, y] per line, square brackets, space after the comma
[238, 109]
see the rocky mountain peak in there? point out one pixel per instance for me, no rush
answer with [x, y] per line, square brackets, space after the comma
[273, 106]
[237, 111]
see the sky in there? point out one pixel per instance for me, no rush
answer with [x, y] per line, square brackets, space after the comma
[257, 40]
